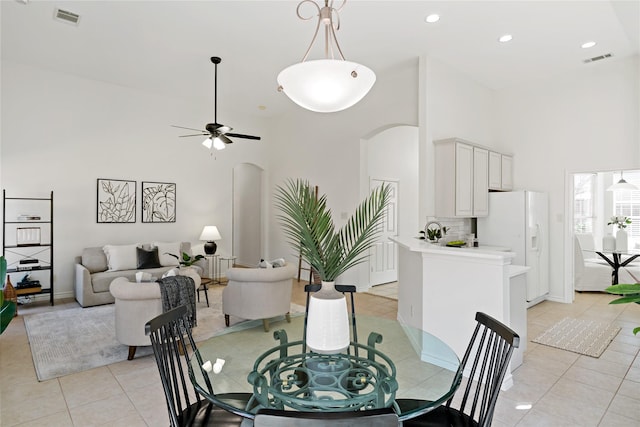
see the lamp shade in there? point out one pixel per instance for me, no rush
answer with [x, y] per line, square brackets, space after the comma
[209, 234]
[326, 85]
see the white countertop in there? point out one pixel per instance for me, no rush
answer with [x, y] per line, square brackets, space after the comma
[420, 245]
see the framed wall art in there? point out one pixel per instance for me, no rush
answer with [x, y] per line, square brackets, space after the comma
[116, 201]
[158, 202]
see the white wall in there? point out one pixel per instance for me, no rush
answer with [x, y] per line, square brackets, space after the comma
[60, 132]
[574, 122]
[325, 148]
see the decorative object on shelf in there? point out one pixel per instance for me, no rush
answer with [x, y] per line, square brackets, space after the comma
[26, 236]
[309, 227]
[158, 202]
[116, 201]
[326, 85]
[210, 234]
[622, 241]
[216, 133]
[622, 184]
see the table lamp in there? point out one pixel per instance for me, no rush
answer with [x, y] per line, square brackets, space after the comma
[209, 234]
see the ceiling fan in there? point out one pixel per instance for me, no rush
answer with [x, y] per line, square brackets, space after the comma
[217, 134]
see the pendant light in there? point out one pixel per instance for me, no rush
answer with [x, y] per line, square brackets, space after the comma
[326, 85]
[622, 185]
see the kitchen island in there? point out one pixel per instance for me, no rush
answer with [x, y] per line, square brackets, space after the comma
[441, 288]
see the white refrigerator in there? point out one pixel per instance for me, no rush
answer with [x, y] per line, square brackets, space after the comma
[519, 220]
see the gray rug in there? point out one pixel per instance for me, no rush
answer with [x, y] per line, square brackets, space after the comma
[74, 340]
[587, 337]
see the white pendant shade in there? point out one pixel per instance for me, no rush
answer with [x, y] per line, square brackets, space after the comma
[326, 85]
[328, 321]
[622, 185]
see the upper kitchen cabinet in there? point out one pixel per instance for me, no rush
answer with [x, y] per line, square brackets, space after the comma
[500, 170]
[461, 179]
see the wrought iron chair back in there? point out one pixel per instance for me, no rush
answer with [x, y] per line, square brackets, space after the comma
[486, 360]
[384, 417]
[172, 342]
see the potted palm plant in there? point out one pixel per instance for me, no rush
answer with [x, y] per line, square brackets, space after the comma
[309, 228]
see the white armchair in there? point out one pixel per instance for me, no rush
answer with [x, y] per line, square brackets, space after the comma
[136, 304]
[258, 293]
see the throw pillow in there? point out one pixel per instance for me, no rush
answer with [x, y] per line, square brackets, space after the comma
[264, 264]
[147, 258]
[164, 249]
[121, 257]
[279, 262]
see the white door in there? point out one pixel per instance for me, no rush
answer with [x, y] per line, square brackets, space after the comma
[384, 254]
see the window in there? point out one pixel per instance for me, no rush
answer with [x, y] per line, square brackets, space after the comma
[627, 203]
[584, 185]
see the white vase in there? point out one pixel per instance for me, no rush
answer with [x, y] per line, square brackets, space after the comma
[328, 321]
[622, 240]
[608, 242]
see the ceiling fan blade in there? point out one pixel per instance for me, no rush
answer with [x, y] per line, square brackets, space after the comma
[224, 139]
[182, 127]
[195, 134]
[239, 135]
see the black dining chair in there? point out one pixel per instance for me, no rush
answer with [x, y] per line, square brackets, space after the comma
[345, 289]
[171, 338]
[384, 417]
[491, 345]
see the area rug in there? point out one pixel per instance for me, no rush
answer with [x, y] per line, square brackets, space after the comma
[74, 340]
[587, 337]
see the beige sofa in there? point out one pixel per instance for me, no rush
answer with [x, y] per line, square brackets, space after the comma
[258, 293]
[94, 271]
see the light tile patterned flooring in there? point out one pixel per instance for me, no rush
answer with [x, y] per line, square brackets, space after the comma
[565, 389]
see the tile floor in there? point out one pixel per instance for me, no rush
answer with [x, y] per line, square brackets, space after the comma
[564, 389]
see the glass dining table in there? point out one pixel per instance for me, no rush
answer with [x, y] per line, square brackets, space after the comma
[394, 366]
[617, 260]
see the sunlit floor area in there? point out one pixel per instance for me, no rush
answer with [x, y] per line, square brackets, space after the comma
[562, 388]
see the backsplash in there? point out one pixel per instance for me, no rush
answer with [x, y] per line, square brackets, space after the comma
[457, 228]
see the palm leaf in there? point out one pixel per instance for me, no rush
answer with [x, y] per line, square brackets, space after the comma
[309, 227]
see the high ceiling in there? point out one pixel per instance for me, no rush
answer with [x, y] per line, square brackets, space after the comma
[165, 46]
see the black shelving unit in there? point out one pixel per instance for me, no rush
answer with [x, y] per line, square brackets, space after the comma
[19, 255]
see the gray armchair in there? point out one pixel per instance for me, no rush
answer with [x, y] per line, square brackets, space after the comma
[258, 293]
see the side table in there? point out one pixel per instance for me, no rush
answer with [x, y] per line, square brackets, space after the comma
[230, 260]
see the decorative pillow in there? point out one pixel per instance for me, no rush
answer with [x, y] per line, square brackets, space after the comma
[264, 264]
[147, 258]
[121, 257]
[163, 249]
[94, 259]
[143, 276]
[279, 262]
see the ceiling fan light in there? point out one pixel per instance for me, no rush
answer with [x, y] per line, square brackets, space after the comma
[218, 144]
[207, 143]
[326, 85]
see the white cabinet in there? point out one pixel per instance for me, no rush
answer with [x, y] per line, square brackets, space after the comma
[507, 170]
[480, 182]
[495, 171]
[461, 179]
[500, 169]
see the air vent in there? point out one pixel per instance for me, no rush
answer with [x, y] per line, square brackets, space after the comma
[66, 16]
[598, 58]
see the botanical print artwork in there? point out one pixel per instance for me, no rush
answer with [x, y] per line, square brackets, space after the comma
[116, 200]
[158, 202]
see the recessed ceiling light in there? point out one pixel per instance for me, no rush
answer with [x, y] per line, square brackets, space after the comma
[434, 17]
[524, 406]
[505, 38]
[587, 45]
